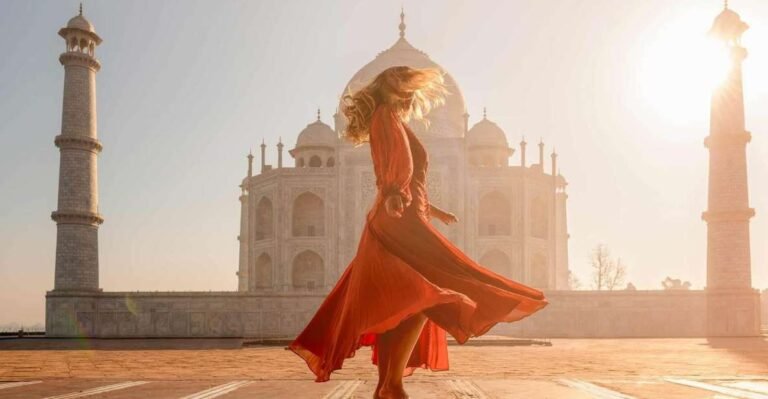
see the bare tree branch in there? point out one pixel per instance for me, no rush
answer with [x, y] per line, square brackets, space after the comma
[573, 282]
[606, 272]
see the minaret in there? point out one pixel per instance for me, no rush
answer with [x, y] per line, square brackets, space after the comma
[243, 272]
[338, 122]
[554, 163]
[250, 164]
[554, 227]
[561, 231]
[524, 214]
[263, 156]
[541, 154]
[732, 308]
[77, 217]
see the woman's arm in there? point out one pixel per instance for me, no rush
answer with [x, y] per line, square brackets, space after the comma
[444, 216]
[392, 162]
[434, 211]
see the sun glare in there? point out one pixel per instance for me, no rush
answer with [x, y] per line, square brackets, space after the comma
[680, 65]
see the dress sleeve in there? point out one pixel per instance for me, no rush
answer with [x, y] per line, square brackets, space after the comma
[391, 154]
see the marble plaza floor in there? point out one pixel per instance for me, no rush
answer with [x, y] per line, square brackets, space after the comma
[569, 368]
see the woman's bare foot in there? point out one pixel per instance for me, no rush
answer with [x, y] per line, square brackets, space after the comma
[390, 392]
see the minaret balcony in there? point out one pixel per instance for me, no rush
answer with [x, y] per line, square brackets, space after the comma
[77, 217]
[726, 139]
[728, 216]
[78, 142]
[80, 59]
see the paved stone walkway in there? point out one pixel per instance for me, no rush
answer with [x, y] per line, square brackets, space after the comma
[678, 387]
[596, 368]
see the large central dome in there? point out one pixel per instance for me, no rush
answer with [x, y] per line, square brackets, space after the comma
[445, 121]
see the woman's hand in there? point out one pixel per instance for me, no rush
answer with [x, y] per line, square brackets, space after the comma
[393, 204]
[447, 217]
[444, 216]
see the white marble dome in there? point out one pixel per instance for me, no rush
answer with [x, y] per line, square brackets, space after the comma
[317, 134]
[486, 134]
[445, 121]
[79, 22]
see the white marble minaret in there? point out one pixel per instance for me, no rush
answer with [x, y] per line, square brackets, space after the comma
[733, 306]
[77, 217]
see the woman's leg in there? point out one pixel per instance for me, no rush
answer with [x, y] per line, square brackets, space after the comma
[400, 342]
[384, 348]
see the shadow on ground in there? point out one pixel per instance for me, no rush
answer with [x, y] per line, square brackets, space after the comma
[751, 348]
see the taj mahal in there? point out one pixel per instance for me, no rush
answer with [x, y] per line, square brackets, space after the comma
[300, 225]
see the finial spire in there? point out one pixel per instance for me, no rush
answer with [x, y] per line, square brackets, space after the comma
[725, 4]
[485, 113]
[402, 22]
[81, 8]
[318, 114]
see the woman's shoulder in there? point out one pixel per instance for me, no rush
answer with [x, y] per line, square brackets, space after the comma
[383, 111]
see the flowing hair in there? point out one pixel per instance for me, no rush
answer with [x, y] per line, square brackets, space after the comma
[411, 92]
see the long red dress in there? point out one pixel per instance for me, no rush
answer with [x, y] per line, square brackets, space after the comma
[404, 266]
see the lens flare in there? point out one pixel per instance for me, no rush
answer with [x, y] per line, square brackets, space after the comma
[681, 66]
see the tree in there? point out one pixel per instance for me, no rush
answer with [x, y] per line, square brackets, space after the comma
[607, 273]
[573, 282]
[675, 284]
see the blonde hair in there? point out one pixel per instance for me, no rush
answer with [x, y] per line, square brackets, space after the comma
[411, 92]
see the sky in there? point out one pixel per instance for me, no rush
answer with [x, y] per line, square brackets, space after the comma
[620, 88]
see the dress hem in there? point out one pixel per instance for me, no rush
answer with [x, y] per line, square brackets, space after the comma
[445, 296]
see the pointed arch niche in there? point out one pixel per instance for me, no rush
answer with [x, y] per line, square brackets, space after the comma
[307, 271]
[495, 215]
[264, 220]
[308, 216]
[260, 275]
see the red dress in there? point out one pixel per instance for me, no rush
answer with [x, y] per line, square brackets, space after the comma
[404, 266]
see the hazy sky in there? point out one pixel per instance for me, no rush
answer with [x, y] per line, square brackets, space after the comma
[187, 87]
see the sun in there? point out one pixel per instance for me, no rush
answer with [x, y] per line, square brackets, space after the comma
[680, 65]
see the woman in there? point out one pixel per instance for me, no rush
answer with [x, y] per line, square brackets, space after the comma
[407, 284]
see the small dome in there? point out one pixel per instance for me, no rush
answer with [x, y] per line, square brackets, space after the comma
[79, 22]
[317, 134]
[486, 133]
[728, 26]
